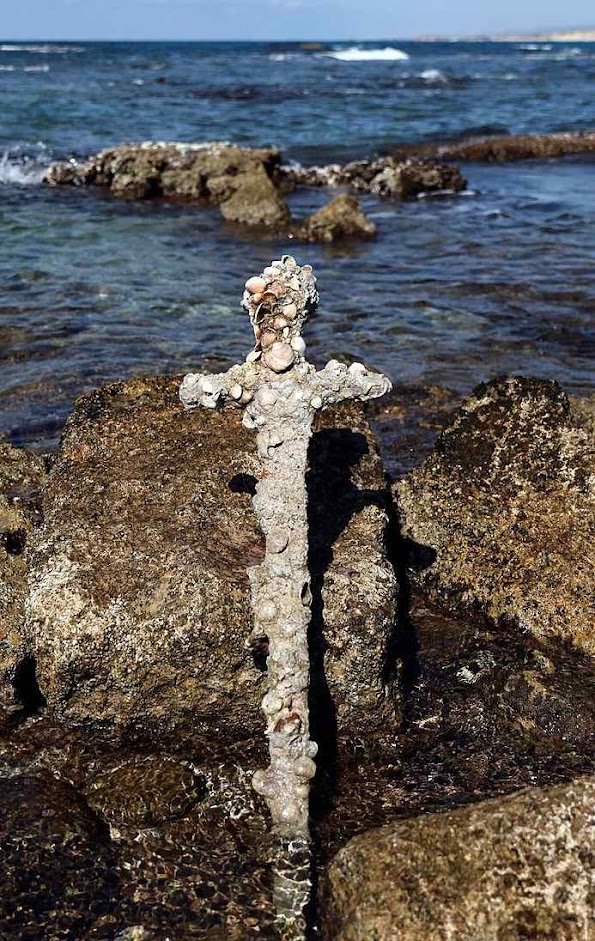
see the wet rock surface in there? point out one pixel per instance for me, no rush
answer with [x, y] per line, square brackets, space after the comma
[249, 184]
[502, 514]
[485, 709]
[139, 611]
[514, 868]
[21, 476]
[400, 178]
[342, 217]
[507, 147]
[237, 179]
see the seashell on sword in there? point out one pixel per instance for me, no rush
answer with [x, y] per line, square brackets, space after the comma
[279, 357]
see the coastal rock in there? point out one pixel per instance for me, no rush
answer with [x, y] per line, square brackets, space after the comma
[502, 514]
[385, 176]
[342, 217]
[139, 606]
[512, 868]
[239, 179]
[21, 475]
[507, 147]
[57, 876]
[253, 199]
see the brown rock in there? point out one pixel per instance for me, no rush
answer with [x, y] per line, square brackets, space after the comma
[139, 607]
[400, 178]
[513, 868]
[504, 511]
[241, 179]
[252, 199]
[57, 875]
[342, 217]
[21, 474]
[500, 149]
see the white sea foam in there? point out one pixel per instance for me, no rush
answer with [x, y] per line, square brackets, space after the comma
[433, 76]
[36, 68]
[42, 49]
[19, 172]
[357, 54]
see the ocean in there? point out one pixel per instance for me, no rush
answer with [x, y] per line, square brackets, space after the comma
[456, 288]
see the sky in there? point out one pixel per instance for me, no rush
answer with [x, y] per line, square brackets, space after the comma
[283, 19]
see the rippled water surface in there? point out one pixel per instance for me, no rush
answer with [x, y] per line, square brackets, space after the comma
[454, 290]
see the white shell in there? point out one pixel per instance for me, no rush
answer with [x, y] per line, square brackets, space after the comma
[357, 369]
[253, 356]
[268, 610]
[316, 401]
[298, 345]
[277, 541]
[256, 285]
[279, 357]
[266, 396]
[276, 438]
[289, 311]
[207, 386]
[236, 391]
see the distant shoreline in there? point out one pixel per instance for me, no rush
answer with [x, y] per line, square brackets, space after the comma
[570, 35]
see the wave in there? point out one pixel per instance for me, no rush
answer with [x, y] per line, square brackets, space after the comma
[434, 77]
[42, 49]
[21, 171]
[24, 68]
[357, 54]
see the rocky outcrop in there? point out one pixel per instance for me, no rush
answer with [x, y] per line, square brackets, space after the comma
[238, 179]
[342, 217]
[248, 183]
[21, 475]
[401, 178]
[515, 868]
[503, 512]
[506, 147]
[139, 606]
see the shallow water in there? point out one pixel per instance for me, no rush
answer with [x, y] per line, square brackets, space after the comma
[454, 290]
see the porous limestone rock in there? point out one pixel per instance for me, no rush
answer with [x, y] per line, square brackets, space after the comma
[21, 475]
[238, 179]
[400, 178]
[342, 217]
[139, 609]
[501, 148]
[503, 511]
[512, 868]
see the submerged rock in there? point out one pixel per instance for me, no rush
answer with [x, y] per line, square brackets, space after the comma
[386, 176]
[139, 606]
[513, 868]
[57, 877]
[503, 512]
[21, 475]
[238, 179]
[342, 217]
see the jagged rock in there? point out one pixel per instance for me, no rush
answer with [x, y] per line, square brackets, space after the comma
[342, 217]
[139, 605]
[519, 867]
[21, 474]
[506, 147]
[385, 176]
[239, 179]
[503, 511]
[253, 200]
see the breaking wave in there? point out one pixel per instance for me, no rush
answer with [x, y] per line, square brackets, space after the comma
[357, 54]
[42, 49]
[21, 171]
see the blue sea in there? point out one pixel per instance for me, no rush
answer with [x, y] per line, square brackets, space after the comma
[455, 289]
